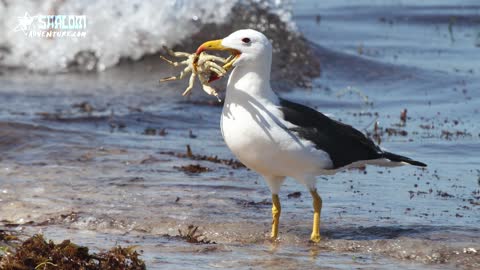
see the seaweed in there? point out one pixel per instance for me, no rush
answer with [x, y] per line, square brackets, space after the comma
[294, 195]
[120, 258]
[448, 135]
[379, 132]
[162, 132]
[8, 236]
[193, 169]
[444, 194]
[37, 253]
[189, 154]
[191, 135]
[84, 107]
[403, 118]
[191, 236]
[149, 131]
[396, 132]
[259, 204]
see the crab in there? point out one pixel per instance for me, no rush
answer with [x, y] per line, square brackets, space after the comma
[202, 65]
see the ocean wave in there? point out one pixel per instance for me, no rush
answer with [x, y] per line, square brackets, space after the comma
[131, 29]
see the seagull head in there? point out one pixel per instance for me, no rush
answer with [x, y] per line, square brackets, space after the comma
[249, 47]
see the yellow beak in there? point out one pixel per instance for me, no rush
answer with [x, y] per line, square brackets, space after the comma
[215, 45]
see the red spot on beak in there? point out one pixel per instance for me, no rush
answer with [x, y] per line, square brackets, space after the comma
[200, 50]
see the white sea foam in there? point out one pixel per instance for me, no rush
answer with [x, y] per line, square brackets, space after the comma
[115, 30]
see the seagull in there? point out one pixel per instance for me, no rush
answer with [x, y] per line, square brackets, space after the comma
[278, 138]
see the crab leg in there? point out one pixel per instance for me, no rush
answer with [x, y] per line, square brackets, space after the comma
[190, 84]
[175, 64]
[179, 77]
[215, 68]
[176, 54]
[229, 63]
[211, 91]
[213, 72]
[207, 88]
[206, 58]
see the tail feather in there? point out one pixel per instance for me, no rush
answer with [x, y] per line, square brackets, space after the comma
[398, 158]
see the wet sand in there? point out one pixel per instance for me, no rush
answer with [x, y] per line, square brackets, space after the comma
[111, 171]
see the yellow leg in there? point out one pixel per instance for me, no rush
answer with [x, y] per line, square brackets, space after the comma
[317, 209]
[276, 210]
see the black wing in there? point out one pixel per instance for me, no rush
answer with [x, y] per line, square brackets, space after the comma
[342, 142]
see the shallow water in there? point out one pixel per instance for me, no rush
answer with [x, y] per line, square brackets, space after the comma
[96, 178]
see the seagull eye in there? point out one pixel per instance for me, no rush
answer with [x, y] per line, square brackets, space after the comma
[246, 40]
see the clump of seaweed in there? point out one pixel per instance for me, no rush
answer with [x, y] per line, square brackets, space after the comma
[37, 253]
[85, 107]
[248, 203]
[189, 154]
[7, 241]
[403, 118]
[378, 132]
[153, 131]
[8, 236]
[294, 195]
[192, 169]
[120, 258]
[192, 236]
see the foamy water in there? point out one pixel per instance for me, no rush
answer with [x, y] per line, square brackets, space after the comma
[116, 30]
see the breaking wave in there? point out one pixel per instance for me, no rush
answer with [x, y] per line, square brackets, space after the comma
[126, 29]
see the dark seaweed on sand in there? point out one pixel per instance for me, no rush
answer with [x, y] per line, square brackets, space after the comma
[191, 236]
[229, 162]
[37, 253]
[7, 236]
[192, 169]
